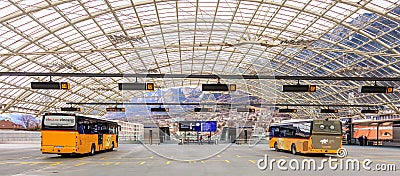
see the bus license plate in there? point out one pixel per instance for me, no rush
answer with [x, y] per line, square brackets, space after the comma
[59, 146]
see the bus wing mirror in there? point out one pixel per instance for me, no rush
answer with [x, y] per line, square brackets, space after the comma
[119, 127]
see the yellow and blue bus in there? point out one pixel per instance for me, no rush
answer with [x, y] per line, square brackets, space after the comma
[311, 136]
[69, 133]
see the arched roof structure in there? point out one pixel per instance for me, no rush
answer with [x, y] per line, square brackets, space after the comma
[344, 38]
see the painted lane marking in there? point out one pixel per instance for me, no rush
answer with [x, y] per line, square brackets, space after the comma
[55, 164]
[26, 157]
[106, 163]
[80, 164]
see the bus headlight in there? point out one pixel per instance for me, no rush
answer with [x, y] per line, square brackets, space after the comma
[321, 127]
[332, 127]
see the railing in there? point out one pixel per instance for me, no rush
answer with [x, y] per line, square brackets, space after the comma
[8, 136]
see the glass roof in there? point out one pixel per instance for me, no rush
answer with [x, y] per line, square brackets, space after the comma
[265, 37]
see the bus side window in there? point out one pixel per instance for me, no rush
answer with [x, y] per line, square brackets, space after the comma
[81, 129]
[87, 129]
[276, 132]
[95, 129]
[112, 130]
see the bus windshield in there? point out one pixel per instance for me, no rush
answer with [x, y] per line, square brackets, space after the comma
[59, 122]
[327, 126]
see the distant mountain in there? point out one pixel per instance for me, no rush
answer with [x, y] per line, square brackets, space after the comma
[178, 95]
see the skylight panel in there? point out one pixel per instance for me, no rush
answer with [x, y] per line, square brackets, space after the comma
[9, 38]
[380, 5]
[7, 9]
[88, 27]
[74, 12]
[27, 66]
[100, 42]
[116, 3]
[17, 43]
[298, 3]
[21, 81]
[33, 30]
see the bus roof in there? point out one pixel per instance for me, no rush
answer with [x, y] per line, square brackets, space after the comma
[291, 121]
[296, 120]
[373, 122]
[78, 114]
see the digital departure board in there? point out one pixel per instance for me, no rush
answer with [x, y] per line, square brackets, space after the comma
[115, 109]
[70, 109]
[136, 86]
[50, 85]
[159, 109]
[287, 110]
[370, 111]
[203, 109]
[376, 89]
[299, 88]
[218, 87]
[246, 110]
[329, 111]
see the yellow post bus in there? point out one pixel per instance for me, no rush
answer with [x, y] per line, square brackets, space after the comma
[319, 136]
[69, 133]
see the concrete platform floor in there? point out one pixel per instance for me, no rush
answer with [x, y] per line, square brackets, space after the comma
[185, 160]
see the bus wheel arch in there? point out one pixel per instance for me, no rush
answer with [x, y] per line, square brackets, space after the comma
[293, 149]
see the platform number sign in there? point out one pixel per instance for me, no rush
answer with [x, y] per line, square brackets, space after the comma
[313, 88]
[232, 87]
[150, 86]
[65, 86]
[389, 90]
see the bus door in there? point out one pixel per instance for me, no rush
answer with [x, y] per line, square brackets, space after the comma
[100, 135]
[245, 136]
[151, 137]
[118, 128]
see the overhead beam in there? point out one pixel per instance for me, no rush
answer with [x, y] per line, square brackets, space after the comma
[199, 76]
[223, 104]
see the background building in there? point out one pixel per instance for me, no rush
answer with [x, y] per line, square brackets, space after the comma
[130, 132]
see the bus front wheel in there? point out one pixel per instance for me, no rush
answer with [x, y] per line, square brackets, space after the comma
[92, 150]
[276, 146]
[293, 149]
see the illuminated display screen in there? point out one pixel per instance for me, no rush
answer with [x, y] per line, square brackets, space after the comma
[218, 87]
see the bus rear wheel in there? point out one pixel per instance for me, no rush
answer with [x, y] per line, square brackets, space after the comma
[293, 149]
[112, 146]
[92, 150]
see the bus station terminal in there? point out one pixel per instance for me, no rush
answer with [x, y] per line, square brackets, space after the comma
[199, 87]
